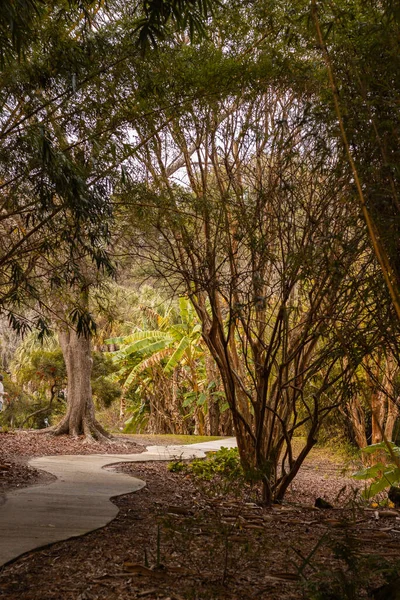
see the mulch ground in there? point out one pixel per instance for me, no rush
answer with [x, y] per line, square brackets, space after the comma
[176, 539]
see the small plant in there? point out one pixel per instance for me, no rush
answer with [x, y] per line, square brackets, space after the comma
[177, 466]
[383, 474]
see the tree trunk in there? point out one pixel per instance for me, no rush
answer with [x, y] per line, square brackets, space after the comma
[377, 402]
[357, 417]
[80, 417]
[392, 414]
[383, 406]
[122, 406]
[212, 419]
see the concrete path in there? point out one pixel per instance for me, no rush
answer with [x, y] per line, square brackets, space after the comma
[79, 500]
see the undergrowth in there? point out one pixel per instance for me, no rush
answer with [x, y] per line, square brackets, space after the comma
[220, 472]
[352, 575]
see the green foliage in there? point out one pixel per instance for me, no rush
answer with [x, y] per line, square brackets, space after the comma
[164, 352]
[185, 14]
[177, 466]
[169, 345]
[139, 416]
[220, 472]
[225, 464]
[384, 474]
[41, 380]
[45, 368]
[105, 390]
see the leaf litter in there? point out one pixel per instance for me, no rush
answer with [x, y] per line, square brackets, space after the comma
[177, 540]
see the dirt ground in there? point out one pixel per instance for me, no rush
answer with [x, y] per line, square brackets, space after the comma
[177, 539]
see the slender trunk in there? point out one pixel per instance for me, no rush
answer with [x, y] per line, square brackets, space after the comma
[213, 417]
[357, 417]
[226, 424]
[392, 415]
[122, 406]
[199, 422]
[212, 420]
[392, 411]
[377, 403]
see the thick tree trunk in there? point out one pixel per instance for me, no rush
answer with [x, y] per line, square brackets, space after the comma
[80, 417]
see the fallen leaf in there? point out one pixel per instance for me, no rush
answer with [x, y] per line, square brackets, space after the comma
[137, 569]
[284, 576]
[178, 510]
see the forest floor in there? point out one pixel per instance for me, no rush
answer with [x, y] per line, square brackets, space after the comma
[180, 540]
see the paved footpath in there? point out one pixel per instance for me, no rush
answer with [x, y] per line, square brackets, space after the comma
[79, 500]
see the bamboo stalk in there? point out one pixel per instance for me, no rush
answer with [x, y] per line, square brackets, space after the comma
[376, 244]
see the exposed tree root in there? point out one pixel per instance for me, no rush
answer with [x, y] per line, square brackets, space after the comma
[90, 428]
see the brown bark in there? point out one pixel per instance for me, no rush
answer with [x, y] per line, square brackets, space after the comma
[383, 408]
[226, 424]
[392, 411]
[357, 416]
[212, 419]
[122, 406]
[392, 415]
[165, 416]
[80, 417]
[377, 407]
[240, 250]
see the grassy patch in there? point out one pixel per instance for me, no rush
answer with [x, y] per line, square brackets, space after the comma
[164, 439]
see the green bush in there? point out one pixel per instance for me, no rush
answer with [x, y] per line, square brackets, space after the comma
[225, 463]
[220, 472]
[383, 474]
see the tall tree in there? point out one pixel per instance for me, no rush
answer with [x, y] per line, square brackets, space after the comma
[58, 156]
[263, 240]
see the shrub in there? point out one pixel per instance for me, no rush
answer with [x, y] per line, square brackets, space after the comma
[383, 474]
[220, 471]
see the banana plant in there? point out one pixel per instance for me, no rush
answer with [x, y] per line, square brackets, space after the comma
[169, 345]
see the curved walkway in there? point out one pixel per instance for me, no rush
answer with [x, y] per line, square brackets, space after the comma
[79, 500]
